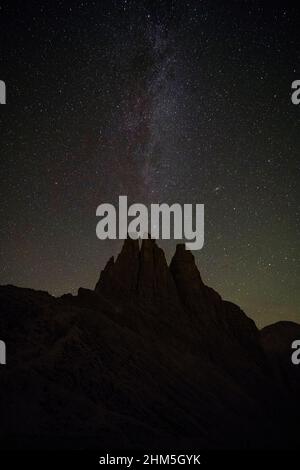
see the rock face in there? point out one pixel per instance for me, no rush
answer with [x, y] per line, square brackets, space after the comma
[120, 277]
[152, 358]
[139, 274]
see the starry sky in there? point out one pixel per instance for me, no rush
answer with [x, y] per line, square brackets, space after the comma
[163, 101]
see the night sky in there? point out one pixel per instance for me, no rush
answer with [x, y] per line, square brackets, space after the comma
[163, 101]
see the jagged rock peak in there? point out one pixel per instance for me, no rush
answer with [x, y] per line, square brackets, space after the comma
[191, 290]
[155, 281]
[120, 276]
[139, 272]
[183, 267]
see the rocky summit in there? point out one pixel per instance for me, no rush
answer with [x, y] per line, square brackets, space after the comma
[151, 358]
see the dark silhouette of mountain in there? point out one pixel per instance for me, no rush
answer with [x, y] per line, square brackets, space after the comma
[152, 358]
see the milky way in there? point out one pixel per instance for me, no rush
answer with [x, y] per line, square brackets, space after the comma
[174, 101]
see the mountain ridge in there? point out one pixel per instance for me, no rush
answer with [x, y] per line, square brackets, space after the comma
[151, 357]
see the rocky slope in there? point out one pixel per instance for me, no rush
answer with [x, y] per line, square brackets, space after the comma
[152, 358]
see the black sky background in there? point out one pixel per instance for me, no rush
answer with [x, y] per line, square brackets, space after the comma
[168, 101]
